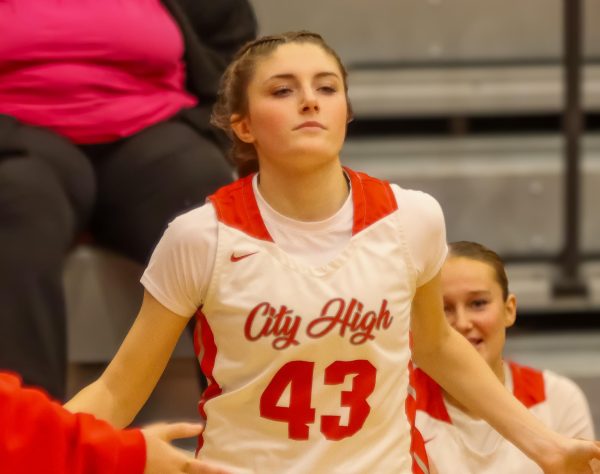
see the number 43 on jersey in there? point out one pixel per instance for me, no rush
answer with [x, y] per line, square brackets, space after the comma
[299, 414]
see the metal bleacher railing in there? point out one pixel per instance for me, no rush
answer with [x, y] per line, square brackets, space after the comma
[503, 64]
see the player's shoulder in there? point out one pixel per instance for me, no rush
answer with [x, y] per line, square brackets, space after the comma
[413, 195]
[194, 225]
[415, 205]
[569, 406]
[558, 384]
[550, 384]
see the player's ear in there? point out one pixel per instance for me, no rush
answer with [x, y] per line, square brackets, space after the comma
[510, 310]
[242, 128]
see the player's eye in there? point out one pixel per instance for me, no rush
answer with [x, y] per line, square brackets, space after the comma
[479, 303]
[328, 89]
[282, 91]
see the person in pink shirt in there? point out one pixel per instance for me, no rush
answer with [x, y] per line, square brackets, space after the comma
[104, 126]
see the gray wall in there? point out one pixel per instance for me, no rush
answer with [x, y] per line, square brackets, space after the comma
[433, 31]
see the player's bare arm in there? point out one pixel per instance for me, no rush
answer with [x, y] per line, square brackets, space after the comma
[123, 388]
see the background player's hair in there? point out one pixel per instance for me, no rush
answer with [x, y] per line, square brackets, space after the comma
[233, 98]
[476, 251]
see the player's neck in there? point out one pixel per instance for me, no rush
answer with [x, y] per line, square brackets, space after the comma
[305, 195]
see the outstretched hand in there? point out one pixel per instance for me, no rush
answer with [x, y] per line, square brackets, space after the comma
[578, 457]
[163, 458]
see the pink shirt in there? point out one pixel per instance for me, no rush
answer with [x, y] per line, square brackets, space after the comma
[91, 70]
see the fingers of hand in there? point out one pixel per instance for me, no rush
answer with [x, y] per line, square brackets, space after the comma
[183, 430]
[173, 431]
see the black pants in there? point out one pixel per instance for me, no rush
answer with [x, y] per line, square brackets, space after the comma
[124, 192]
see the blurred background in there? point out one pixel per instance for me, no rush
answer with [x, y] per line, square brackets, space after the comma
[491, 106]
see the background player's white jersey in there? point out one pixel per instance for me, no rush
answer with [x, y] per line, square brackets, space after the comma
[455, 442]
[307, 363]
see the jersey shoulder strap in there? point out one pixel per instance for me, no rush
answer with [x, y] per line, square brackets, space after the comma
[235, 206]
[528, 384]
[373, 199]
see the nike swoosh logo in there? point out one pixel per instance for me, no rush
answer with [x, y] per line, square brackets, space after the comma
[237, 258]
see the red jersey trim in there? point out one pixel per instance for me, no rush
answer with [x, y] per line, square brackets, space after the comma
[528, 388]
[418, 453]
[373, 199]
[430, 398]
[236, 206]
[206, 353]
[528, 384]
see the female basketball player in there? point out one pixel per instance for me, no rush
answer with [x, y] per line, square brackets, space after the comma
[479, 306]
[305, 280]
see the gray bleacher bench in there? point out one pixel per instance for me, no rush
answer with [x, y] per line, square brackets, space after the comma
[103, 296]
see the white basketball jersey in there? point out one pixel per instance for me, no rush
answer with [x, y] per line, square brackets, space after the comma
[456, 442]
[307, 366]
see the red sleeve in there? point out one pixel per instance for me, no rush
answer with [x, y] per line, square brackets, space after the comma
[39, 435]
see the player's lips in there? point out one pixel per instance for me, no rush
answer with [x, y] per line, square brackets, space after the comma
[475, 340]
[310, 124]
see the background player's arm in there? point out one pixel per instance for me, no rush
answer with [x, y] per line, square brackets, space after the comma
[123, 388]
[457, 367]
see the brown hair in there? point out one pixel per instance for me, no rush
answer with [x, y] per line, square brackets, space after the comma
[233, 98]
[480, 252]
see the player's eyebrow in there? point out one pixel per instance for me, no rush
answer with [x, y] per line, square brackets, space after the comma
[480, 292]
[319, 75]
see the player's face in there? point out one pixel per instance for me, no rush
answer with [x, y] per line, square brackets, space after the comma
[475, 307]
[297, 109]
